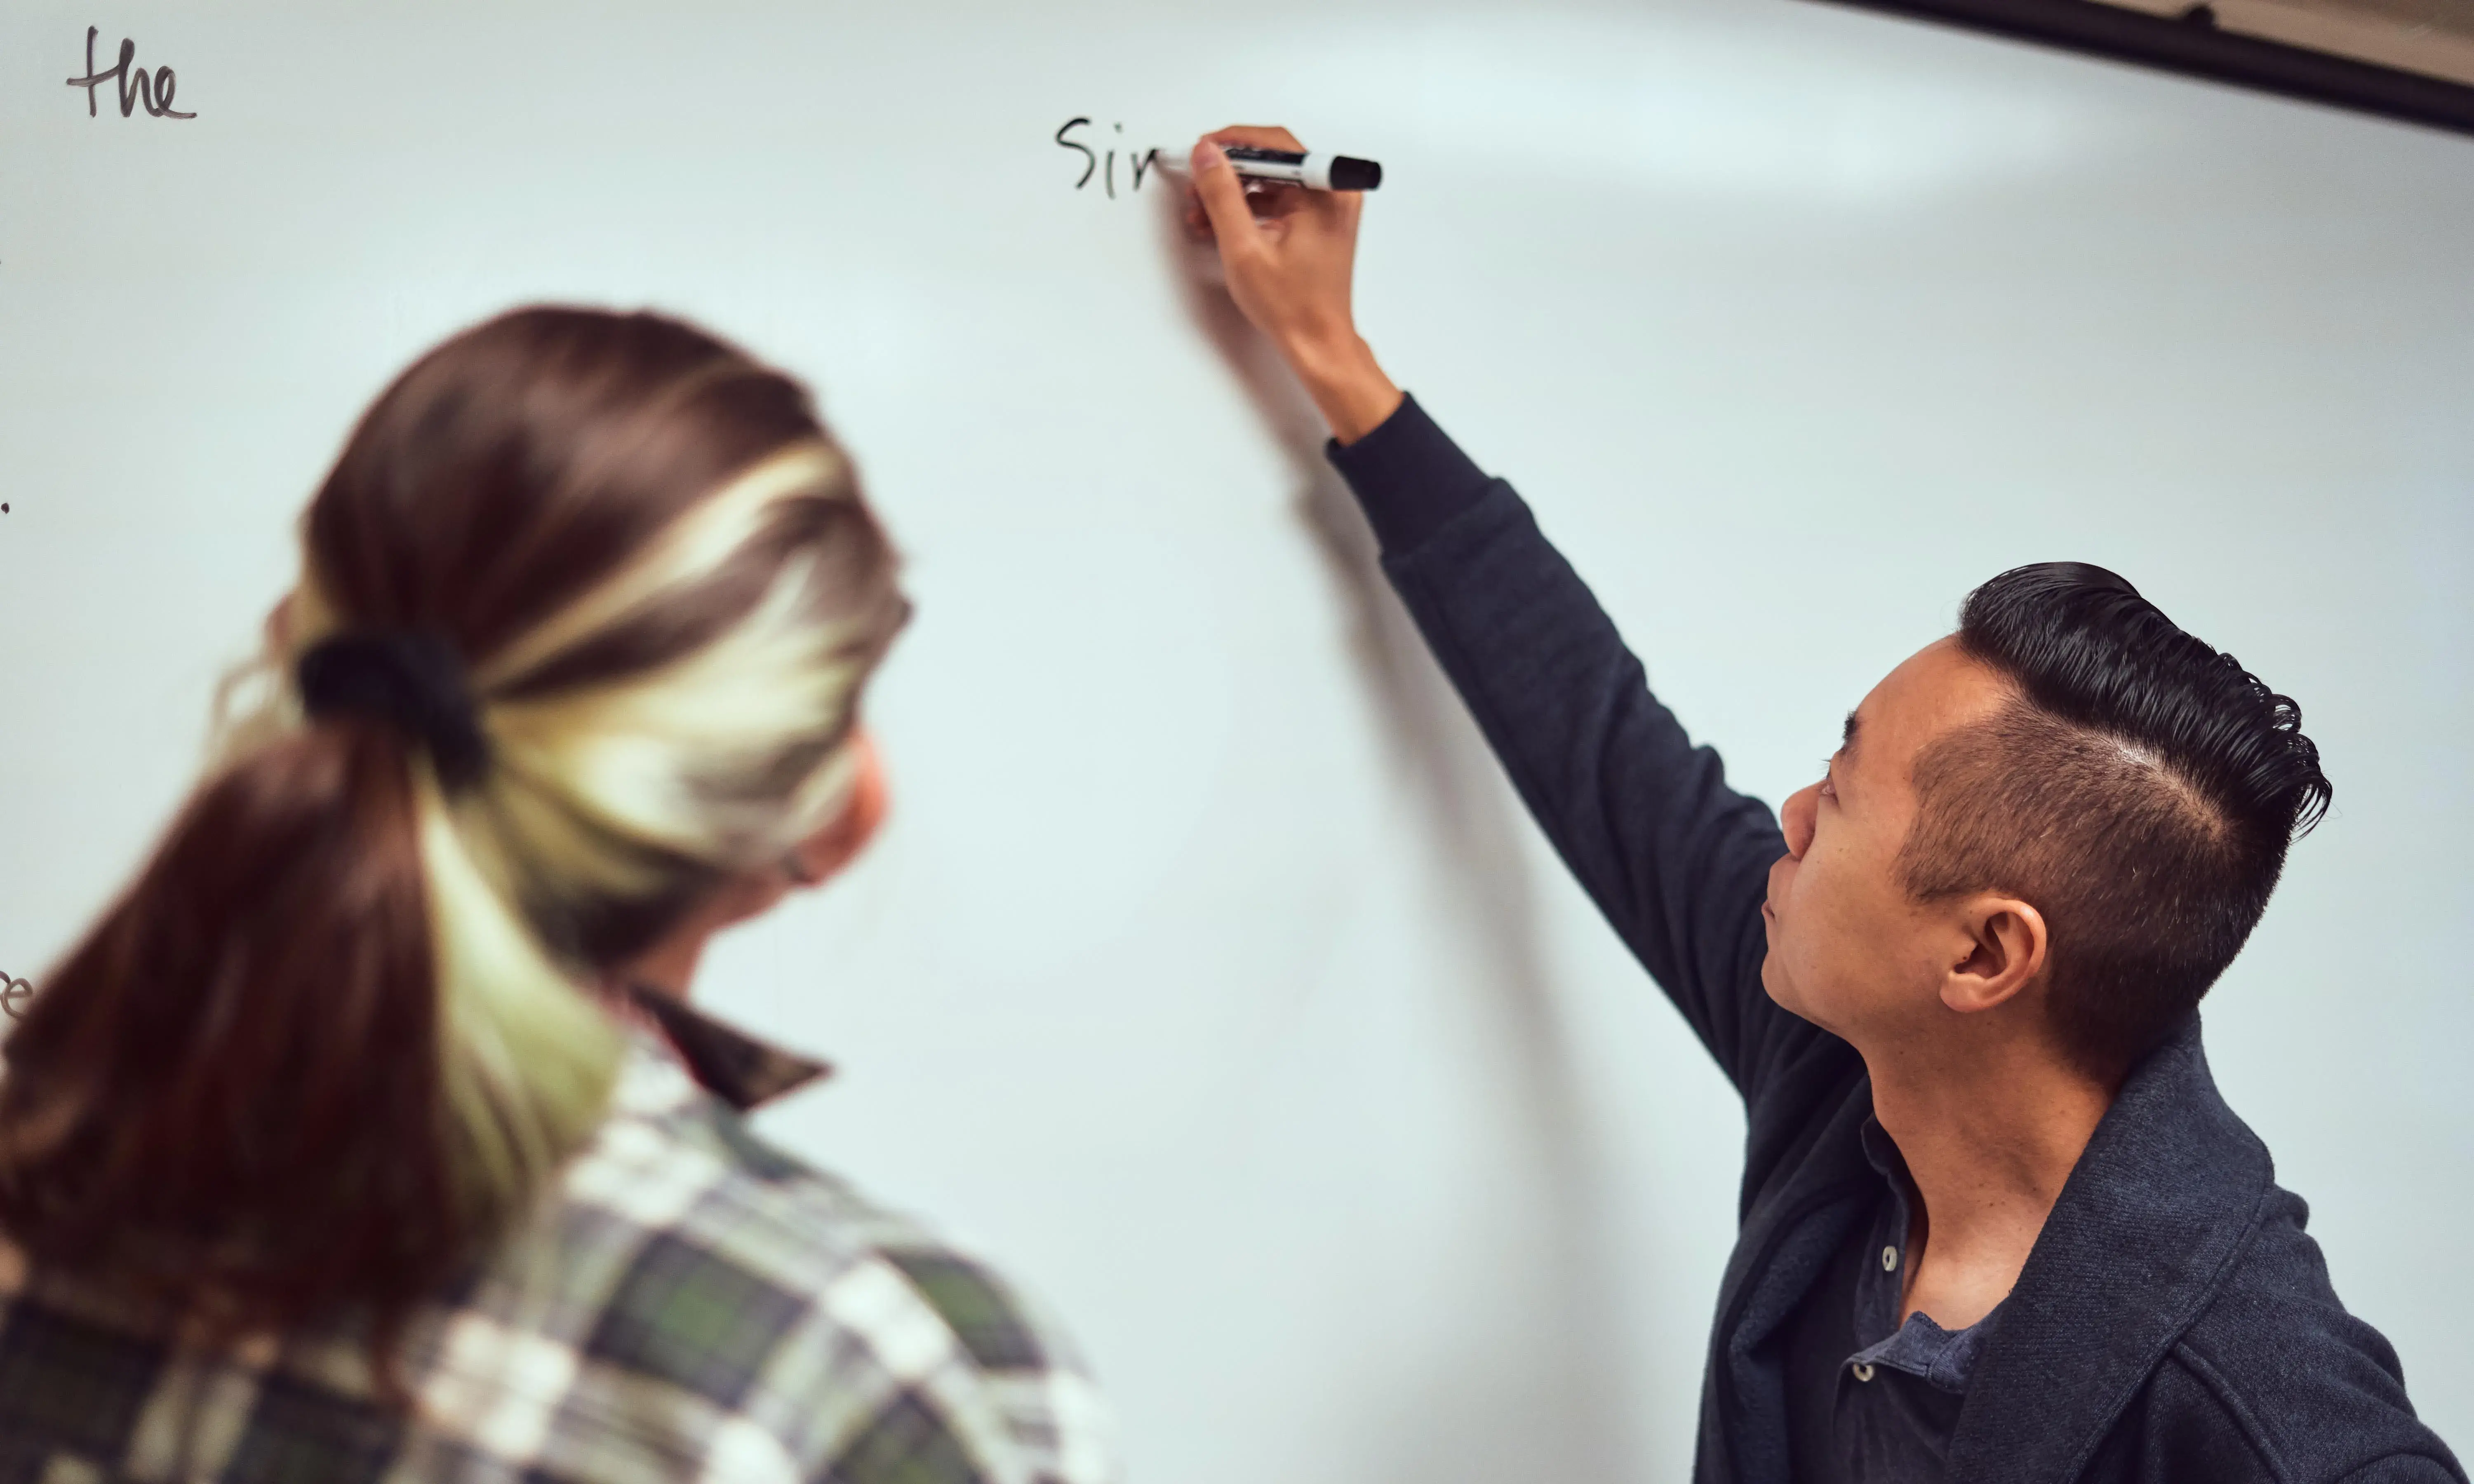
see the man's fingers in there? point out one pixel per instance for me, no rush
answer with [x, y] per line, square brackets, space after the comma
[1343, 210]
[1260, 135]
[1223, 200]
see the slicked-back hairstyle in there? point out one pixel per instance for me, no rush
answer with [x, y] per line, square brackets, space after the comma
[343, 1026]
[2140, 790]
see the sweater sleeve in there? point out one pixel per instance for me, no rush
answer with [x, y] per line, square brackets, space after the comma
[1676, 860]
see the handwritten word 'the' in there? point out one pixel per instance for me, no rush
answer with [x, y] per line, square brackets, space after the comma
[13, 992]
[136, 86]
[1140, 164]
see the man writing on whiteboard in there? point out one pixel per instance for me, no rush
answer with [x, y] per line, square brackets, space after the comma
[1995, 1222]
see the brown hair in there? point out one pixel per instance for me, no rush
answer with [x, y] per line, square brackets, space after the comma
[337, 1032]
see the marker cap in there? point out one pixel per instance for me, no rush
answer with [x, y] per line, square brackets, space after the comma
[1348, 173]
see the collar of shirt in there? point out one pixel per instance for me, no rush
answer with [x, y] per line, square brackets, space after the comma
[1944, 1358]
[733, 1065]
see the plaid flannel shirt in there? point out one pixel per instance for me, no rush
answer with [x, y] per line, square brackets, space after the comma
[687, 1304]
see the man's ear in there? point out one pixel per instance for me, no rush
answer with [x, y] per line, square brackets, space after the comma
[2006, 946]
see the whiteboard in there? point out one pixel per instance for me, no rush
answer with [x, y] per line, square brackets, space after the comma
[1206, 978]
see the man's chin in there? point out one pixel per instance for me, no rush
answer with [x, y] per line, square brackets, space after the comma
[1774, 982]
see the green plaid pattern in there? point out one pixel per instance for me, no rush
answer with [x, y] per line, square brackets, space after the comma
[690, 1304]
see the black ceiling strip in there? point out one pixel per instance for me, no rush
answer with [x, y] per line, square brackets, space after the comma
[2198, 47]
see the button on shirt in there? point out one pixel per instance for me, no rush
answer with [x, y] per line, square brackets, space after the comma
[1873, 1400]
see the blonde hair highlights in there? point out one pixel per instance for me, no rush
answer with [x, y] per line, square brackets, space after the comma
[622, 790]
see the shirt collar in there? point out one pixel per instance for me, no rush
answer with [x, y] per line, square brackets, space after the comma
[1881, 1152]
[733, 1065]
[1943, 1358]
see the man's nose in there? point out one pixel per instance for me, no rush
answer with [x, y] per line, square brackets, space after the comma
[1797, 818]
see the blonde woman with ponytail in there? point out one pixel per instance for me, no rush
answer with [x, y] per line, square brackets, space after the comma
[369, 1134]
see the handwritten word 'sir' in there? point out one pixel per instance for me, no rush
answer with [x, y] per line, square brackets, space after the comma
[1139, 164]
[136, 86]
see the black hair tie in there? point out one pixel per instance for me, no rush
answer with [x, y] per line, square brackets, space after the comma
[412, 677]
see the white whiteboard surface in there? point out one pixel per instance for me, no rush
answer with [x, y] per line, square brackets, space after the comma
[1167, 987]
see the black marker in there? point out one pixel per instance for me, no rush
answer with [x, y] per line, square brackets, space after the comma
[1314, 172]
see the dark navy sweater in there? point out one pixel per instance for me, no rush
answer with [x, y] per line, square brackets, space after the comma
[2172, 1323]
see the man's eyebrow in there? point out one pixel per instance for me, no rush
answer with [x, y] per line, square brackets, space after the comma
[1847, 738]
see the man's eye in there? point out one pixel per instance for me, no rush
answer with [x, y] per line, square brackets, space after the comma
[1829, 788]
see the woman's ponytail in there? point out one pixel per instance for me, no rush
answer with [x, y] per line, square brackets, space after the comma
[227, 1092]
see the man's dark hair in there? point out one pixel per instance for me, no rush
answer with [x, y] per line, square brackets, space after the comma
[2140, 791]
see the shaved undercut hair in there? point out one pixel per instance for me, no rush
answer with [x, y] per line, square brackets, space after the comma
[2140, 789]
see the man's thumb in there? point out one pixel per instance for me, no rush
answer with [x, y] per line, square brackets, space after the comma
[1223, 200]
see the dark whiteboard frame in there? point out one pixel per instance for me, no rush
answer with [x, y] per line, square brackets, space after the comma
[2199, 49]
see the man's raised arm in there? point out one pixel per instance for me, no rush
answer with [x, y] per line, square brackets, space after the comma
[1676, 860]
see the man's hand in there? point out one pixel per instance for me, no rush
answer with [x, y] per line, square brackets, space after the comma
[1288, 253]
